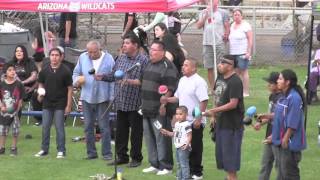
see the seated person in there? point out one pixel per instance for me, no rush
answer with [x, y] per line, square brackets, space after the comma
[314, 75]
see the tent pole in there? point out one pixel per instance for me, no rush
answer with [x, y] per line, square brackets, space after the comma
[308, 67]
[43, 35]
[214, 41]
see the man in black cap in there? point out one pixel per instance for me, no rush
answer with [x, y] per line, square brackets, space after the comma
[270, 152]
[228, 112]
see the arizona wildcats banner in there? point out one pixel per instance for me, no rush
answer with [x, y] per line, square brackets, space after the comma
[94, 6]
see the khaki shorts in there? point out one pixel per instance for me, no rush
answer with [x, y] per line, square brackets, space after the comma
[208, 55]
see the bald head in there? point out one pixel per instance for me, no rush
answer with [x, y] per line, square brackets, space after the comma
[94, 44]
[94, 50]
[189, 67]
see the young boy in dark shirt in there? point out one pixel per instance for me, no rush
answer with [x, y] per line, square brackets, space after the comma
[11, 97]
[269, 153]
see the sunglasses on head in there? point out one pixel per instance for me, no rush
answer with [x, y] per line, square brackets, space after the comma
[224, 61]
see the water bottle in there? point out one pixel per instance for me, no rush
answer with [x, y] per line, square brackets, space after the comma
[119, 174]
[319, 134]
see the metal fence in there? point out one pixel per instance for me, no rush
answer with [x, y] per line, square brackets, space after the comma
[281, 34]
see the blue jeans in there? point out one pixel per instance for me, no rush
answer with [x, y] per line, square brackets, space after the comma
[159, 147]
[47, 118]
[183, 170]
[93, 113]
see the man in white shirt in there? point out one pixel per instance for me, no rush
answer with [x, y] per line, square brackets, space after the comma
[192, 92]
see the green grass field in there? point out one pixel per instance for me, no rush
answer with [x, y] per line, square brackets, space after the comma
[27, 167]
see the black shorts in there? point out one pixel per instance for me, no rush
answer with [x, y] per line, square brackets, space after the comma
[228, 149]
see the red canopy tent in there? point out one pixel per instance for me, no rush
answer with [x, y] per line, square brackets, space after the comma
[94, 6]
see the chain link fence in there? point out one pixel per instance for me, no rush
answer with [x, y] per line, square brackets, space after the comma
[281, 34]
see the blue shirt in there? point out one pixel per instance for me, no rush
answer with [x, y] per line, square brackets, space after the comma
[289, 114]
[93, 91]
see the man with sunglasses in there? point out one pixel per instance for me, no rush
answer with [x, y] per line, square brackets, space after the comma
[228, 112]
[159, 71]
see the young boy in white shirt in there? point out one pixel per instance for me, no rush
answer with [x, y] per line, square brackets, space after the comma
[182, 134]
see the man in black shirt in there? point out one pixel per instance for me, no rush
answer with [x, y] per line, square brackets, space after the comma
[228, 112]
[68, 30]
[56, 80]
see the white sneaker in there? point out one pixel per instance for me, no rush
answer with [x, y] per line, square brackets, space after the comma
[197, 177]
[41, 153]
[60, 155]
[164, 172]
[150, 169]
[113, 142]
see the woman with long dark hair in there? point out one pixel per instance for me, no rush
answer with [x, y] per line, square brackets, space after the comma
[288, 132]
[173, 51]
[26, 71]
[25, 68]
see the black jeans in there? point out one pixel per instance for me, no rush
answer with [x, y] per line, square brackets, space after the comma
[289, 164]
[125, 120]
[195, 158]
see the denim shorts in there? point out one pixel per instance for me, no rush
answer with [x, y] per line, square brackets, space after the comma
[242, 62]
[228, 149]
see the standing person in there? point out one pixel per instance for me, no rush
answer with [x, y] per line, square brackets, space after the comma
[240, 39]
[173, 51]
[68, 30]
[159, 71]
[228, 111]
[95, 96]
[56, 80]
[192, 92]
[130, 22]
[269, 156]
[288, 132]
[221, 29]
[11, 94]
[128, 101]
[182, 140]
[174, 25]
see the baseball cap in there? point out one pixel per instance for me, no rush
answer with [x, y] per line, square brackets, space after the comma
[273, 77]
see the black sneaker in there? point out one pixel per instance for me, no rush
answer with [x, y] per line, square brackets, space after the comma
[118, 162]
[134, 164]
[13, 151]
[2, 150]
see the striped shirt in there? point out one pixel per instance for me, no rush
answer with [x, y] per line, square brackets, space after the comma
[155, 74]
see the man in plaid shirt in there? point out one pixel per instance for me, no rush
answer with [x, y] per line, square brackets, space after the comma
[128, 101]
